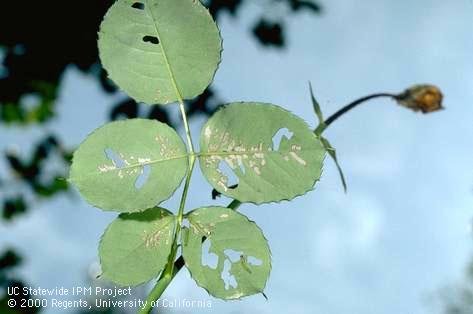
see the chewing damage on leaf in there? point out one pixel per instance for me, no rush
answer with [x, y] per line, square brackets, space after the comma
[149, 52]
[153, 239]
[135, 247]
[236, 156]
[280, 161]
[226, 253]
[129, 165]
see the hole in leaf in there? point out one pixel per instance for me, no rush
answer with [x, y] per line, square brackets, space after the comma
[228, 172]
[233, 167]
[151, 39]
[233, 256]
[278, 137]
[254, 261]
[236, 256]
[117, 161]
[228, 279]
[143, 177]
[208, 259]
[138, 5]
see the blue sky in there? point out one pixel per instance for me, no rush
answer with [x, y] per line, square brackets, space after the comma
[403, 230]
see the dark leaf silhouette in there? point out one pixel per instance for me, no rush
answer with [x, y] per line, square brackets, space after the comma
[269, 33]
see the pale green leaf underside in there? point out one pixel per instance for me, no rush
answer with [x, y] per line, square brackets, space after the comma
[272, 152]
[239, 245]
[182, 63]
[129, 165]
[135, 247]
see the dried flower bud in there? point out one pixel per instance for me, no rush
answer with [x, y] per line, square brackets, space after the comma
[425, 98]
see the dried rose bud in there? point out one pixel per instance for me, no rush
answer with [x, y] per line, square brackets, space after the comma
[425, 98]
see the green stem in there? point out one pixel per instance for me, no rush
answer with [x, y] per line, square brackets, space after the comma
[171, 270]
[157, 291]
[180, 215]
[190, 144]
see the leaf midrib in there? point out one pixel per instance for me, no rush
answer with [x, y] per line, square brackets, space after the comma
[197, 155]
[163, 50]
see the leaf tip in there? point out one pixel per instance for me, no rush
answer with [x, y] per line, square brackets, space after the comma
[264, 295]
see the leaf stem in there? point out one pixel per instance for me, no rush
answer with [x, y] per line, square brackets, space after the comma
[192, 157]
[180, 215]
[157, 291]
[172, 267]
[190, 144]
[352, 105]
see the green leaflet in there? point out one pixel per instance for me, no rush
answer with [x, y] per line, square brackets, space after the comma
[160, 50]
[135, 247]
[272, 152]
[240, 260]
[129, 165]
